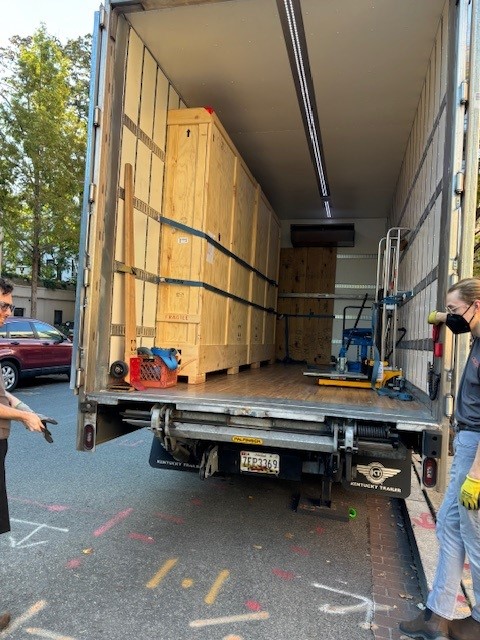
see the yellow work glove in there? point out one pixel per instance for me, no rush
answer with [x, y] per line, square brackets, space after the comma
[432, 317]
[470, 493]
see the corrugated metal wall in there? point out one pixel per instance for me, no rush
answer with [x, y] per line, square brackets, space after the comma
[417, 206]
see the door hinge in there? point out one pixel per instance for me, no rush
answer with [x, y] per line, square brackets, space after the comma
[97, 117]
[92, 192]
[459, 182]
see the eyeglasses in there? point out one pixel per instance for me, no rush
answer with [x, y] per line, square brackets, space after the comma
[455, 309]
[6, 306]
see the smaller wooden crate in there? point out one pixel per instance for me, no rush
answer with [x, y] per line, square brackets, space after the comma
[152, 372]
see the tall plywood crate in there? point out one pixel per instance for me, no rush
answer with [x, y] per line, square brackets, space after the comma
[217, 280]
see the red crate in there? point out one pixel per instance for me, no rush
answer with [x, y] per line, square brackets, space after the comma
[152, 372]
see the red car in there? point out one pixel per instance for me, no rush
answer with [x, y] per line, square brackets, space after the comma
[30, 347]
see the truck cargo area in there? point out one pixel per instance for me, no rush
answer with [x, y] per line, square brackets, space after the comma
[249, 162]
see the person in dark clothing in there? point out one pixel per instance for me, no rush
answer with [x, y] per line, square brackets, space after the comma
[10, 409]
[458, 521]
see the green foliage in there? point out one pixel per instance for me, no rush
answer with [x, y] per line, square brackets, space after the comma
[43, 116]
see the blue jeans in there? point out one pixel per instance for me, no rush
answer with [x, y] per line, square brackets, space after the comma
[458, 533]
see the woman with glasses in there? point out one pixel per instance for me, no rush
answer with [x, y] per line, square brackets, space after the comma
[10, 409]
[458, 521]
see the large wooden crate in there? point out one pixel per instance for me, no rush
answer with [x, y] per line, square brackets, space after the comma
[219, 257]
[304, 333]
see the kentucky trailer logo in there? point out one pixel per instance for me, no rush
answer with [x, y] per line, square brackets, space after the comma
[376, 472]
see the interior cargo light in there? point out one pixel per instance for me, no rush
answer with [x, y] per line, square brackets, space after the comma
[88, 437]
[429, 472]
[294, 34]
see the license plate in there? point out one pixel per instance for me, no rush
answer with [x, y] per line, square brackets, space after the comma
[255, 462]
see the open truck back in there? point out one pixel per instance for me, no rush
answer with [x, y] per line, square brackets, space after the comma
[313, 128]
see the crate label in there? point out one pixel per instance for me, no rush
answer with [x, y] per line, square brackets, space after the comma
[210, 253]
[182, 240]
[179, 317]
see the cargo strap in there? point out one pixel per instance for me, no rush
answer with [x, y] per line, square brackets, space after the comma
[217, 245]
[390, 393]
[221, 292]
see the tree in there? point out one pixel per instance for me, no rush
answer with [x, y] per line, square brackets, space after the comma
[44, 92]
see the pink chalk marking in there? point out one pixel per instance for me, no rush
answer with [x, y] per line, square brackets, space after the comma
[48, 507]
[284, 575]
[466, 566]
[253, 605]
[461, 598]
[141, 537]
[170, 518]
[300, 550]
[319, 530]
[197, 502]
[73, 564]
[425, 521]
[111, 523]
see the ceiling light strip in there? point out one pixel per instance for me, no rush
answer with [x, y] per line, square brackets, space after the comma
[297, 50]
[294, 36]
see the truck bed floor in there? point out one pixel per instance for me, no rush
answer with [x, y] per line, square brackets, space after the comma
[283, 389]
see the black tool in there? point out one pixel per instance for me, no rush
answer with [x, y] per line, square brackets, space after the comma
[46, 433]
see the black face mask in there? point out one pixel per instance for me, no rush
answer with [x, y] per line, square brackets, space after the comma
[457, 323]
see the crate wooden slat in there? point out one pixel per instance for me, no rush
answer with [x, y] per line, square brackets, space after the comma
[214, 296]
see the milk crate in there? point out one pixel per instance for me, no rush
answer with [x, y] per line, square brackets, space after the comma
[152, 372]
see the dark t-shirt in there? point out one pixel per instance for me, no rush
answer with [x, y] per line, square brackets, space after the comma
[467, 411]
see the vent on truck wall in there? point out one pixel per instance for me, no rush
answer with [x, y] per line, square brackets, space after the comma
[322, 235]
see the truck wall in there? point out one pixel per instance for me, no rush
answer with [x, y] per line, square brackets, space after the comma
[418, 203]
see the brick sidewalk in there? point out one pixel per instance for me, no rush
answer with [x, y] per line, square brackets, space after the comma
[396, 584]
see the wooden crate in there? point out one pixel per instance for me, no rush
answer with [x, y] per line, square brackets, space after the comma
[218, 281]
[308, 336]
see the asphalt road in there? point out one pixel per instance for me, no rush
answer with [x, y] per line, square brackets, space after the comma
[105, 547]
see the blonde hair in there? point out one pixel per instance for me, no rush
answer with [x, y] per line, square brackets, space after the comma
[468, 289]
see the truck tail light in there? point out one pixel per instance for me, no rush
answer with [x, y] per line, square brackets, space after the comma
[429, 472]
[88, 437]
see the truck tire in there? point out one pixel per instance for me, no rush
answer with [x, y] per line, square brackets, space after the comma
[10, 375]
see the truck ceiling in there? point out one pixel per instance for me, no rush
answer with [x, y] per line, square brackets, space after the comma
[368, 62]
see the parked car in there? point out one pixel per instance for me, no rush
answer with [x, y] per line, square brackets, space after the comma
[30, 347]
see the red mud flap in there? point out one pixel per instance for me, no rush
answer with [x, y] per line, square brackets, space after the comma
[389, 477]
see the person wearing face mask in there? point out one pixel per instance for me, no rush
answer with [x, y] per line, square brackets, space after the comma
[458, 521]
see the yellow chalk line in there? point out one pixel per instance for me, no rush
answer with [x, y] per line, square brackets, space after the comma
[217, 585]
[29, 613]
[246, 617]
[44, 633]
[161, 573]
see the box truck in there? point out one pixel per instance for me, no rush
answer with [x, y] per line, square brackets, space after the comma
[277, 194]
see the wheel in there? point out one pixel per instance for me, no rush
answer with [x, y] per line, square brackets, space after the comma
[10, 375]
[118, 369]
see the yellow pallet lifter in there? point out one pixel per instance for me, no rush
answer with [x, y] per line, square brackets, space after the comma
[381, 369]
